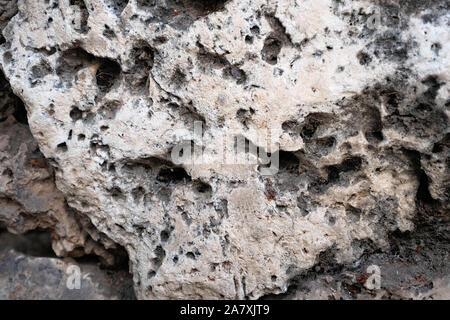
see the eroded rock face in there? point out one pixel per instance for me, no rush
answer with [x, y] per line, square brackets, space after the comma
[356, 107]
[29, 198]
[24, 277]
[30, 270]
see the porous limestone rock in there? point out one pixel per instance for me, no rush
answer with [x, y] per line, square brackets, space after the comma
[29, 199]
[352, 96]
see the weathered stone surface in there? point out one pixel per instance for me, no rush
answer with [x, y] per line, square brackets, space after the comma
[357, 110]
[28, 196]
[7, 11]
[414, 267]
[29, 271]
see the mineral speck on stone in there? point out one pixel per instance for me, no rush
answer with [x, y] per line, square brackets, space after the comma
[349, 101]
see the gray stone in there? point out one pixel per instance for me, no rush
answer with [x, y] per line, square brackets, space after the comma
[25, 277]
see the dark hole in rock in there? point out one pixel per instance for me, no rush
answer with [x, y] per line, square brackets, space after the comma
[326, 142]
[107, 74]
[374, 136]
[348, 165]
[10, 103]
[117, 193]
[169, 175]
[20, 113]
[160, 254]
[7, 172]
[312, 123]
[423, 192]
[254, 30]
[288, 161]
[202, 187]
[190, 255]
[142, 55]
[81, 25]
[271, 49]
[62, 147]
[160, 40]
[108, 32]
[372, 124]
[364, 58]
[351, 164]
[76, 114]
[35, 243]
[248, 39]
[165, 235]
[139, 64]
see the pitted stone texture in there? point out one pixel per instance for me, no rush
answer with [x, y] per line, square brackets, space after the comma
[29, 199]
[357, 111]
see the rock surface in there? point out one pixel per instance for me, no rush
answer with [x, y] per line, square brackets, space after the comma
[29, 198]
[352, 96]
[29, 271]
